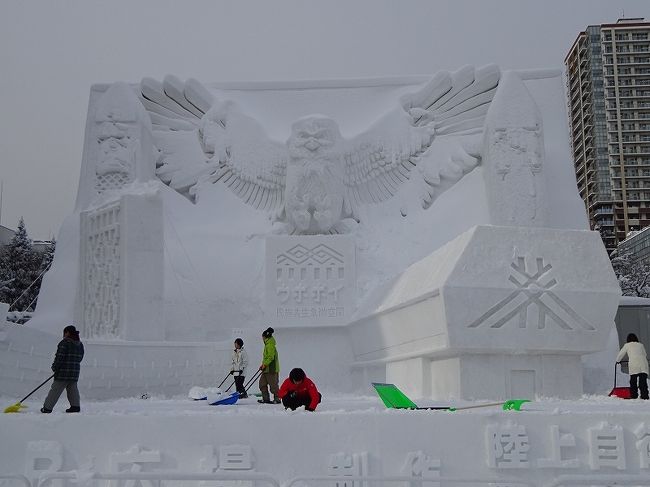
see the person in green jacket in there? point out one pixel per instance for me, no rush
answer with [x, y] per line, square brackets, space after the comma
[270, 369]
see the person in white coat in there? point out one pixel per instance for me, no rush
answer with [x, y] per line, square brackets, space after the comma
[239, 364]
[637, 366]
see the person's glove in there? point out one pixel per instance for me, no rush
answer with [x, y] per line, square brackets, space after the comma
[232, 372]
[241, 371]
[262, 367]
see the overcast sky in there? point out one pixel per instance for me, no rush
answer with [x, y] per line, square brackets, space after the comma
[51, 52]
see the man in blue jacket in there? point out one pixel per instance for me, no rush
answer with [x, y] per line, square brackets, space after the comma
[69, 354]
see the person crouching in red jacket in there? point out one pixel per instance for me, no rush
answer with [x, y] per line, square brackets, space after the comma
[298, 390]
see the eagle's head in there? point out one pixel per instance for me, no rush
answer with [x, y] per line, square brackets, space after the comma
[313, 137]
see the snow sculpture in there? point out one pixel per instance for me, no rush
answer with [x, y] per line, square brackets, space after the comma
[235, 457]
[497, 299]
[133, 460]
[405, 225]
[41, 457]
[121, 225]
[318, 178]
[642, 433]
[607, 447]
[558, 441]
[420, 465]
[122, 150]
[508, 446]
[343, 465]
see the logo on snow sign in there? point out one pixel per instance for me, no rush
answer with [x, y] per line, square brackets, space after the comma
[532, 291]
[310, 279]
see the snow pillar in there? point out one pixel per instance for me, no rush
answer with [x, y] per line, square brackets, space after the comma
[142, 267]
[513, 156]
[122, 269]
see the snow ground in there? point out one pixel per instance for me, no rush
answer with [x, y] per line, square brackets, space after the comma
[333, 404]
[347, 435]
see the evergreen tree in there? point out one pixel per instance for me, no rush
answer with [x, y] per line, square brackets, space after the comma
[19, 264]
[46, 261]
[4, 285]
[633, 277]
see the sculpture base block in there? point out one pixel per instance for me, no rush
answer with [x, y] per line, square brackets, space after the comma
[489, 376]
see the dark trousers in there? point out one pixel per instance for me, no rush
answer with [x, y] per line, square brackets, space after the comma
[269, 380]
[239, 384]
[295, 402]
[70, 387]
[642, 379]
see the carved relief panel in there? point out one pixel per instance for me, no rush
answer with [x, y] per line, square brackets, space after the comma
[100, 236]
[310, 279]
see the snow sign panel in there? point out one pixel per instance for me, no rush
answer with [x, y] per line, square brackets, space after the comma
[310, 280]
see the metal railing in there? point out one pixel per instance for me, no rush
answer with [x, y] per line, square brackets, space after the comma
[18, 477]
[604, 479]
[157, 477]
[409, 479]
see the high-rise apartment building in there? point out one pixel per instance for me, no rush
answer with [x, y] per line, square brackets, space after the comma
[608, 84]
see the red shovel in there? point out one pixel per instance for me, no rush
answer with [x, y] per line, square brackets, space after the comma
[622, 392]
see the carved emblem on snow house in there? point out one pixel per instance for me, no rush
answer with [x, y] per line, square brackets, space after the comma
[310, 280]
[533, 291]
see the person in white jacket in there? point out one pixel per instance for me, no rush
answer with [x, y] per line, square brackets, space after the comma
[637, 366]
[238, 368]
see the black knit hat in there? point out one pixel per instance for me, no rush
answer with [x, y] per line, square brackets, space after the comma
[268, 332]
[70, 329]
[297, 375]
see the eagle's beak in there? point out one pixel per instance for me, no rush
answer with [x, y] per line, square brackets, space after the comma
[312, 144]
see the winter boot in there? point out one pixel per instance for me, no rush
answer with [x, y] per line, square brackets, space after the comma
[46, 411]
[73, 409]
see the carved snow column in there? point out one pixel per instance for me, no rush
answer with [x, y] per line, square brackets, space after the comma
[122, 226]
[513, 156]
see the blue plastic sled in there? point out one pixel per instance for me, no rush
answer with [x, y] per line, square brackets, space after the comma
[231, 399]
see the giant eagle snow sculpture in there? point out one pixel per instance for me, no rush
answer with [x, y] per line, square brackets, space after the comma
[316, 182]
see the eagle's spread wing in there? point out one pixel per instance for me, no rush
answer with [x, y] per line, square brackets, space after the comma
[430, 140]
[202, 141]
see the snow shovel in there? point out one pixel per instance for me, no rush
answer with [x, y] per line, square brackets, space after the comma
[229, 399]
[509, 405]
[622, 392]
[393, 398]
[252, 380]
[15, 408]
[201, 393]
[224, 380]
[255, 377]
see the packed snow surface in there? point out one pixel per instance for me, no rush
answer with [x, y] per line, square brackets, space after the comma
[332, 405]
